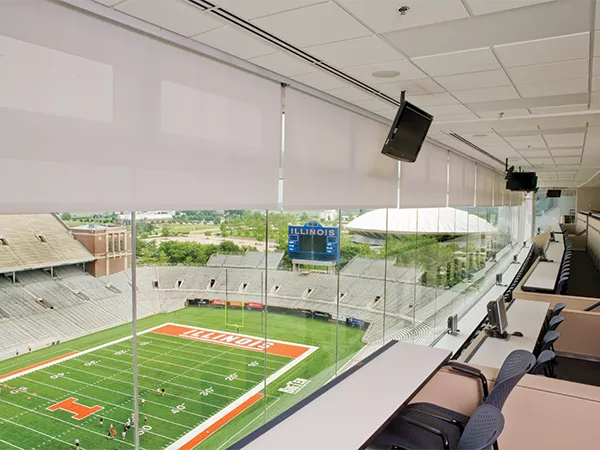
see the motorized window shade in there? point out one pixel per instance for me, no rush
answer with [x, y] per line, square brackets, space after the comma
[424, 183]
[499, 188]
[101, 117]
[333, 159]
[461, 183]
[485, 186]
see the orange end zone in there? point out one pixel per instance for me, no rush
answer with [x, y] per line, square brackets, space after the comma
[24, 369]
[233, 340]
[221, 422]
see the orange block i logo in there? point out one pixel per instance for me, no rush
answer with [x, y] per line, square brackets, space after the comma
[79, 411]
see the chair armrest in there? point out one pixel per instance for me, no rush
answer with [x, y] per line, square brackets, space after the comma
[471, 371]
[430, 429]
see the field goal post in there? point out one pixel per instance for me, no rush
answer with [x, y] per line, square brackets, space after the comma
[234, 311]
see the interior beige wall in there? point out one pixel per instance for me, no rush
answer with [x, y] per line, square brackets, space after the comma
[588, 199]
[573, 303]
[579, 334]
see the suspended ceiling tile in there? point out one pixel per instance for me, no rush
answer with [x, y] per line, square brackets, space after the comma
[454, 117]
[535, 153]
[523, 142]
[490, 6]
[566, 152]
[458, 62]
[596, 84]
[535, 102]
[475, 80]
[564, 70]
[558, 109]
[252, 9]
[597, 39]
[181, 18]
[567, 161]
[109, 2]
[383, 15]
[448, 109]
[564, 87]
[414, 87]
[564, 140]
[432, 99]
[506, 113]
[313, 25]
[355, 52]
[486, 94]
[350, 94]
[560, 18]
[543, 51]
[374, 104]
[284, 64]
[320, 80]
[406, 71]
[235, 42]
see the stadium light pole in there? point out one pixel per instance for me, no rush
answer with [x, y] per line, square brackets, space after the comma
[136, 409]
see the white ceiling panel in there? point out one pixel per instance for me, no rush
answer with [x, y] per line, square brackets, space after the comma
[415, 87]
[565, 140]
[567, 161]
[475, 80]
[235, 42]
[559, 18]
[558, 109]
[448, 109]
[486, 94]
[458, 62]
[566, 152]
[535, 153]
[406, 70]
[553, 88]
[252, 9]
[432, 99]
[181, 18]
[489, 6]
[454, 117]
[284, 64]
[544, 51]
[355, 52]
[506, 113]
[374, 104]
[538, 162]
[313, 25]
[597, 38]
[596, 67]
[109, 2]
[383, 15]
[595, 84]
[320, 80]
[523, 142]
[565, 70]
[350, 94]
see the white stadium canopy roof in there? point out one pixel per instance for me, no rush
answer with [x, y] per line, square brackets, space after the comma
[444, 221]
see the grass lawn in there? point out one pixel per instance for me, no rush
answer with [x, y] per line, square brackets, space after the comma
[201, 378]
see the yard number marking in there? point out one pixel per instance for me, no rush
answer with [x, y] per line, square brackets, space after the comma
[231, 377]
[178, 408]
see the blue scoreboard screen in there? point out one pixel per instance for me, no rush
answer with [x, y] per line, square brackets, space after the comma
[313, 242]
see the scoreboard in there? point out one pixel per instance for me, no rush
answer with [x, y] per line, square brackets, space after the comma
[313, 242]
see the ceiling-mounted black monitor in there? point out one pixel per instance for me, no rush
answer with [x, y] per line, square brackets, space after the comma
[522, 181]
[407, 134]
[553, 193]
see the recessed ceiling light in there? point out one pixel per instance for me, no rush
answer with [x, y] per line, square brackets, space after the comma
[385, 73]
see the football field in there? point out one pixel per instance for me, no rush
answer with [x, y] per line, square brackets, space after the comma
[219, 384]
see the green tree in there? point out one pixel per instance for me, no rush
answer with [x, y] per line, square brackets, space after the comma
[67, 216]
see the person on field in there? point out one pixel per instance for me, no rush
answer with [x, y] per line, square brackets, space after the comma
[101, 422]
[124, 433]
[76, 443]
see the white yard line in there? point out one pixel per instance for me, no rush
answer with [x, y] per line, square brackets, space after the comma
[48, 356]
[79, 394]
[250, 423]
[12, 445]
[39, 432]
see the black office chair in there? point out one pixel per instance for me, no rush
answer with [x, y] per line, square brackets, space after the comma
[418, 431]
[555, 311]
[555, 322]
[544, 364]
[548, 341]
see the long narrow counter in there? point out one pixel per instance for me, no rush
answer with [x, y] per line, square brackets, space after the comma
[350, 410]
[544, 275]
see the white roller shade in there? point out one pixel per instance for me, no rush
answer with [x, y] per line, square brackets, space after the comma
[333, 158]
[95, 116]
[499, 187]
[461, 183]
[485, 186]
[508, 197]
[424, 183]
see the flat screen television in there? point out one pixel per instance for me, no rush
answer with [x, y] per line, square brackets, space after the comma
[553, 193]
[522, 181]
[408, 133]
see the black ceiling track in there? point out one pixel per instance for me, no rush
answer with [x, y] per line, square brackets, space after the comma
[474, 147]
[279, 43]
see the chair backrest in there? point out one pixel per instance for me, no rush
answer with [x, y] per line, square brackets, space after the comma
[483, 429]
[514, 367]
[543, 360]
[549, 339]
[555, 322]
[557, 309]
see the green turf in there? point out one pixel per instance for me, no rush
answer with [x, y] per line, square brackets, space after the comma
[184, 367]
